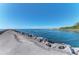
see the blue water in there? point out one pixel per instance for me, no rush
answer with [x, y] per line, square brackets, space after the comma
[71, 38]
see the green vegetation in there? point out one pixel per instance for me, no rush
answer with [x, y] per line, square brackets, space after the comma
[76, 26]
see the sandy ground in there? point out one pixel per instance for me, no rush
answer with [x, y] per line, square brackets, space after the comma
[9, 45]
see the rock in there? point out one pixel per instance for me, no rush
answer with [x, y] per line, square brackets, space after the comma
[17, 43]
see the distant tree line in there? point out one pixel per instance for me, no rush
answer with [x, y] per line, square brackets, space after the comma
[76, 26]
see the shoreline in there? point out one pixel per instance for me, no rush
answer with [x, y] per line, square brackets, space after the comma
[42, 42]
[70, 30]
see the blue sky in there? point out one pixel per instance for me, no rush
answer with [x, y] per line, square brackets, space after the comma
[32, 15]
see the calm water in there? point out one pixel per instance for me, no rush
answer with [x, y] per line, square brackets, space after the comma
[71, 38]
